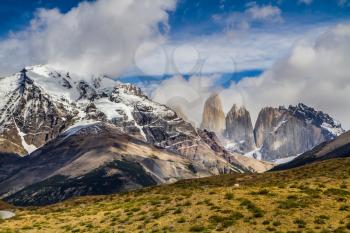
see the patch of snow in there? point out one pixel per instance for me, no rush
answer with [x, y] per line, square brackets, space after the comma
[336, 131]
[74, 129]
[284, 160]
[26, 146]
[232, 146]
[7, 85]
[280, 124]
[255, 154]
[107, 107]
[111, 109]
[6, 214]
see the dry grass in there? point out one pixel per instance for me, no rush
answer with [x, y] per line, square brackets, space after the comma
[315, 198]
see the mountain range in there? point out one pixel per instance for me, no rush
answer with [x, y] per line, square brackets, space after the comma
[64, 136]
[279, 134]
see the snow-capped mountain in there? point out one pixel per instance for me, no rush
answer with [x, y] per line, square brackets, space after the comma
[40, 107]
[320, 119]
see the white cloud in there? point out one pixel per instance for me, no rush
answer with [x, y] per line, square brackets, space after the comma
[306, 2]
[222, 53]
[98, 37]
[254, 13]
[316, 73]
[189, 94]
[268, 12]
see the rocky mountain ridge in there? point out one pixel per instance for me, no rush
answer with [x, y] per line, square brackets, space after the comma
[39, 105]
[279, 133]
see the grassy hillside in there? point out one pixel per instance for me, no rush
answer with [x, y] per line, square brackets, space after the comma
[314, 198]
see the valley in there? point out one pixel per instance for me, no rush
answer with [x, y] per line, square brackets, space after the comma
[313, 198]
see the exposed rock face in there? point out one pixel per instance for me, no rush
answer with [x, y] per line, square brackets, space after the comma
[239, 129]
[336, 148]
[279, 133]
[267, 118]
[282, 132]
[213, 115]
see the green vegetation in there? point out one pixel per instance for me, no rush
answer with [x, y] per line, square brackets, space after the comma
[315, 198]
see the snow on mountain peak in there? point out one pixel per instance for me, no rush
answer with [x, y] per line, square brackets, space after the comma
[41, 97]
[318, 118]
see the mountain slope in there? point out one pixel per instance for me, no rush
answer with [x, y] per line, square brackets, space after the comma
[92, 159]
[98, 158]
[40, 102]
[312, 198]
[336, 148]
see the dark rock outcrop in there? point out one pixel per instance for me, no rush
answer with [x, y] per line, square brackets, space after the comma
[239, 129]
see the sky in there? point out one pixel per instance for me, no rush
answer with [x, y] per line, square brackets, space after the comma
[253, 53]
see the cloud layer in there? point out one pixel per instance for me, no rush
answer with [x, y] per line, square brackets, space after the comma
[94, 38]
[316, 73]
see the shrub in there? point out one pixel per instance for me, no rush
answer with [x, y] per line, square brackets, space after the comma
[197, 228]
[261, 192]
[257, 212]
[270, 228]
[178, 211]
[229, 196]
[315, 193]
[337, 192]
[301, 223]
[226, 221]
[266, 222]
[321, 219]
[340, 230]
[348, 225]
[293, 202]
[276, 223]
[344, 208]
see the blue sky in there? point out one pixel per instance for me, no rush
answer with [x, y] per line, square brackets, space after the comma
[256, 53]
[16, 14]
[199, 23]
[196, 16]
[190, 16]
